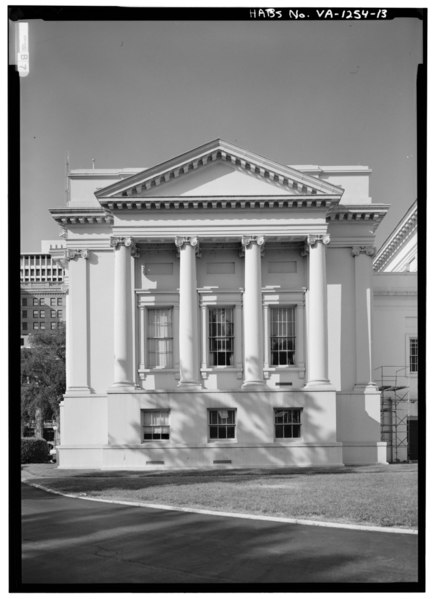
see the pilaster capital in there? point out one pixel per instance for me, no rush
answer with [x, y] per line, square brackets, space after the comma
[312, 240]
[117, 242]
[135, 250]
[369, 250]
[72, 254]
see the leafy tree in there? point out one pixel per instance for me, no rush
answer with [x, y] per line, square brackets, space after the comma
[43, 377]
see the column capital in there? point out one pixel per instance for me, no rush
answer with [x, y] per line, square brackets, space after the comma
[248, 240]
[181, 241]
[75, 254]
[127, 242]
[312, 240]
[116, 242]
[368, 250]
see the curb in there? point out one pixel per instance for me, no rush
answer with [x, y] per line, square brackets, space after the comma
[172, 508]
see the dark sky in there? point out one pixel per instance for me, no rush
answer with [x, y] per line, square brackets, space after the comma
[133, 94]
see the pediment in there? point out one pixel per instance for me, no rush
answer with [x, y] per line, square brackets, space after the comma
[219, 169]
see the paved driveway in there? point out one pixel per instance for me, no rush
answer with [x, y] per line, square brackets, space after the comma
[74, 541]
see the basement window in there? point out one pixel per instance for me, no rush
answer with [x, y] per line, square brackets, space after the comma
[222, 424]
[287, 423]
[155, 425]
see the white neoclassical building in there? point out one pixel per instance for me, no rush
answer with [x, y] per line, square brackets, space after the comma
[396, 346]
[219, 312]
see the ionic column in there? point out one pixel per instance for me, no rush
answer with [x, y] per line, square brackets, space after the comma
[77, 323]
[363, 314]
[188, 313]
[123, 356]
[317, 312]
[253, 313]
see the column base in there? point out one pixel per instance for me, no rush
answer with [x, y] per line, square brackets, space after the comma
[319, 386]
[122, 388]
[191, 385]
[78, 390]
[250, 385]
[366, 388]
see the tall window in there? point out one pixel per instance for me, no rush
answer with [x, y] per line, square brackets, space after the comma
[35, 301]
[59, 314]
[160, 338]
[413, 356]
[155, 425]
[24, 301]
[59, 301]
[35, 313]
[287, 423]
[24, 314]
[42, 313]
[53, 313]
[53, 301]
[221, 336]
[282, 335]
[222, 424]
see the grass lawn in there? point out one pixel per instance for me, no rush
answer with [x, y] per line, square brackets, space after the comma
[383, 495]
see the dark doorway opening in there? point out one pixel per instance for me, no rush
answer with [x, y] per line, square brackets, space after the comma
[412, 439]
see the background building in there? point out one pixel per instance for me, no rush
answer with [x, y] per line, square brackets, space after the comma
[219, 312]
[395, 338]
[42, 292]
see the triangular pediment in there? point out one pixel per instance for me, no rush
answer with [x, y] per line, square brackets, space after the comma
[219, 169]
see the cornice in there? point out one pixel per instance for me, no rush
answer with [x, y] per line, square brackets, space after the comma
[370, 213]
[222, 202]
[402, 233]
[214, 151]
[81, 216]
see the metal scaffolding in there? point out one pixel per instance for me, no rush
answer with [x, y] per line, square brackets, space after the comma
[395, 409]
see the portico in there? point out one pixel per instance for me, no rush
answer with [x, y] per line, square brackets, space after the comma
[228, 272]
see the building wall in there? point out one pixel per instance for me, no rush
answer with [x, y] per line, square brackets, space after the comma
[42, 293]
[395, 323]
